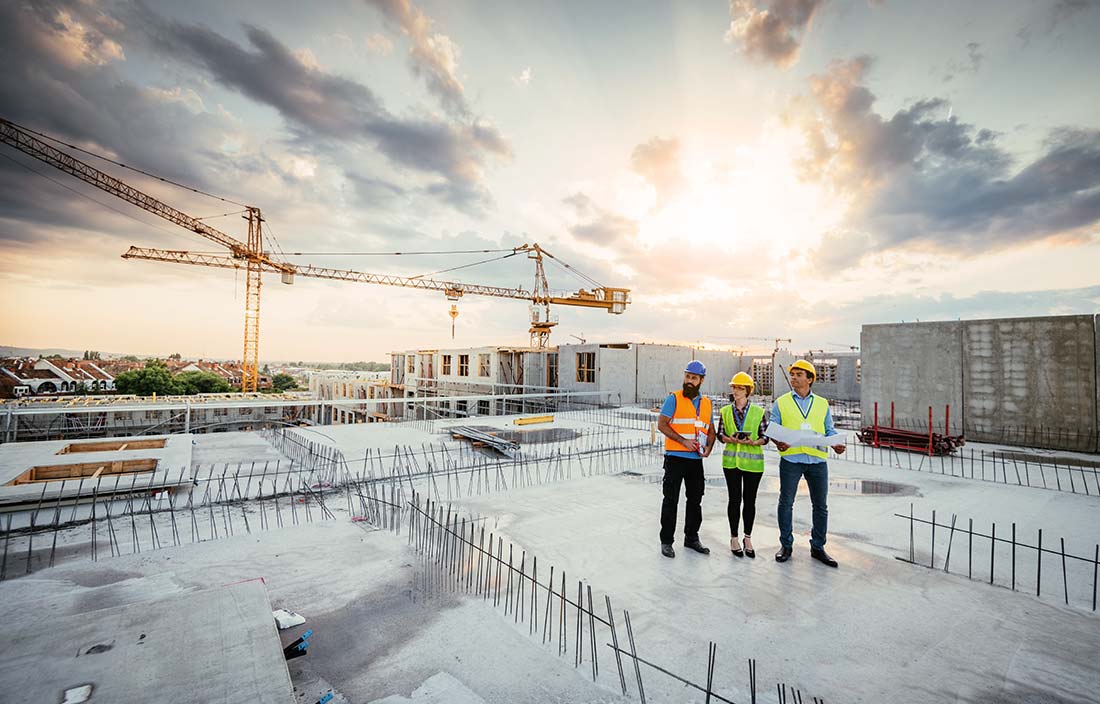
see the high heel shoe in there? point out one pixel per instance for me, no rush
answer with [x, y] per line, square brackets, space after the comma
[736, 550]
[749, 552]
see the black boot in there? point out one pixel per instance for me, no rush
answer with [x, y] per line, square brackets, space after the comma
[697, 546]
[822, 556]
[783, 555]
[667, 550]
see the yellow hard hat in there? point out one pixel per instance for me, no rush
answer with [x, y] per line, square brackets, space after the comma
[804, 366]
[742, 379]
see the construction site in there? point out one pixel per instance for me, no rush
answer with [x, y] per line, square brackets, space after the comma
[481, 524]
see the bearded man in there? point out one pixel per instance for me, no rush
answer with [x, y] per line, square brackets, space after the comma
[686, 422]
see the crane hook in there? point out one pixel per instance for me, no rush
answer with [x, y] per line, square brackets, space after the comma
[454, 314]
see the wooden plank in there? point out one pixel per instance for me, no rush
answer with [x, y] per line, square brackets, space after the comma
[531, 420]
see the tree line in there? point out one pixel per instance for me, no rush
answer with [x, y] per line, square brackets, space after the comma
[156, 378]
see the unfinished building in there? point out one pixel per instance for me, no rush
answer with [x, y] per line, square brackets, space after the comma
[126, 416]
[838, 373]
[638, 372]
[473, 371]
[1020, 381]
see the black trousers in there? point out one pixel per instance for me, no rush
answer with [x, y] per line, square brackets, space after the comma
[742, 487]
[690, 472]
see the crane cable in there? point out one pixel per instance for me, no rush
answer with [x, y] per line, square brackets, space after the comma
[394, 254]
[464, 266]
[131, 168]
[177, 233]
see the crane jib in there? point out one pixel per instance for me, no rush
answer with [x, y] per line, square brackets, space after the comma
[251, 256]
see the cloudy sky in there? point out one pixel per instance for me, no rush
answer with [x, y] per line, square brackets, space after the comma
[750, 169]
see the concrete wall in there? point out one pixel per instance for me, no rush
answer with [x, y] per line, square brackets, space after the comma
[1031, 371]
[846, 388]
[567, 367]
[617, 373]
[661, 370]
[914, 365]
[1008, 380]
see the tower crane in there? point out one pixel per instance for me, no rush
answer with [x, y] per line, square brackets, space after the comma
[250, 256]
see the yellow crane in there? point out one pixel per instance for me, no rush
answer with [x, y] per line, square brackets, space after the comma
[251, 256]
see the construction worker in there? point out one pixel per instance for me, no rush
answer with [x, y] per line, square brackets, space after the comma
[741, 427]
[685, 421]
[801, 409]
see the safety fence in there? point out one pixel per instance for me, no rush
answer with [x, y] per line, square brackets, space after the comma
[458, 557]
[1024, 559]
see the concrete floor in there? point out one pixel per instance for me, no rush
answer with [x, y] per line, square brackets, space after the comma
[213, 645]
[874, 630]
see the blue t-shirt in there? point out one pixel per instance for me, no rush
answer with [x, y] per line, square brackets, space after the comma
[804, 404]
[668, 410]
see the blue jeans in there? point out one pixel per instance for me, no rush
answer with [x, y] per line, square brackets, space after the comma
[817, 479]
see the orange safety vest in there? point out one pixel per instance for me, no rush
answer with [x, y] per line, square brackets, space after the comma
[688, 423]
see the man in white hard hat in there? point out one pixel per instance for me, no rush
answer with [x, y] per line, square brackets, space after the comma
[801, 409]
[685, 421]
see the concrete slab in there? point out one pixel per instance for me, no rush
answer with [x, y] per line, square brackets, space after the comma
[218, 645]
[173, 467]
[874, 630]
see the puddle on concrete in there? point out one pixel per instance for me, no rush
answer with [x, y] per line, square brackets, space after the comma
[535, 436]
[837, 487]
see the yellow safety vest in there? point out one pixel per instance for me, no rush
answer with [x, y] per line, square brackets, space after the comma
[689, 424]
[749, 458]
[794, 418]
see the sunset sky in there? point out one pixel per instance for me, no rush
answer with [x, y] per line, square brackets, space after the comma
[750, 169]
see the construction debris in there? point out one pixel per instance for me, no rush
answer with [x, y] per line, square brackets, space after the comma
[285, 619]
[479, 438]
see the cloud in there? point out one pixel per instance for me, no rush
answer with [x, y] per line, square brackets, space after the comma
[320, 104]
[974, 58]
[1051, 15]
[597, 225]
[983, 304]
[524, 77]
[774, 33]
[379, 44]
[81, 97]
[923, 178]
[433, 56]
[658, 162]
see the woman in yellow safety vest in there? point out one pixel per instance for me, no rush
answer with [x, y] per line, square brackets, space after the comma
[741, 427]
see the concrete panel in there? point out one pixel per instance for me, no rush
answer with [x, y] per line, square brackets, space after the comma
[660, 370]
[721, 366]
[617, 372]
[1024, 375]
[219, 645]
[914, 365]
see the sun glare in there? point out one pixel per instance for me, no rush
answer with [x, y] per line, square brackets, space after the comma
[751, 198]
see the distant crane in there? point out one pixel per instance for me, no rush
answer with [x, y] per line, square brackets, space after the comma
[250, 256]
[773, 340]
